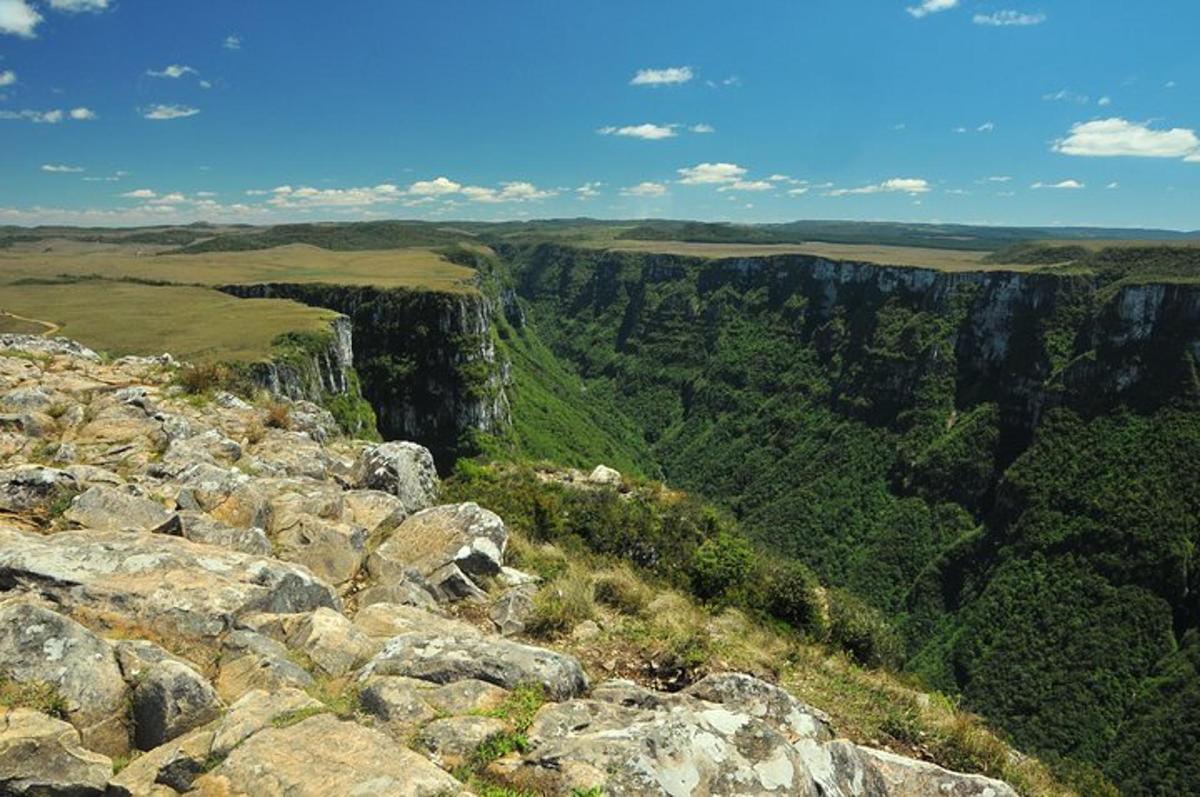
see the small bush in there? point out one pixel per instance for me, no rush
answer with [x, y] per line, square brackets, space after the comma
[199, 378]
[279, 415]
[722, 567]
[794, 595]
[255, 431]
[620, 589]
[862, 631]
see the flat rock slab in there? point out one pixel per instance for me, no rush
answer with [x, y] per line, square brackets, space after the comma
[445, 659]
[42, 756]
[325, 757]
[844, 769]
[166, 584]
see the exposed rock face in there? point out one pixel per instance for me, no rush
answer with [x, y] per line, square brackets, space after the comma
[41, 757]
[187, 601]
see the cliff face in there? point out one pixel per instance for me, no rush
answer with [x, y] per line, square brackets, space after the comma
[427, 361]
[313, 372]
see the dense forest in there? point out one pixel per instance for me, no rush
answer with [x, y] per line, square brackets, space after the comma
[1003, 465]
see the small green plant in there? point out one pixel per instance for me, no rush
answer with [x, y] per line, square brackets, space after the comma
[562, 604]
[618, 588]
[289, 718]
[342, 697]
[37, 695]
[519, 708]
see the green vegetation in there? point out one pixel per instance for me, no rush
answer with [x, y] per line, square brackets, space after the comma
[36, 695]
[1036, 566]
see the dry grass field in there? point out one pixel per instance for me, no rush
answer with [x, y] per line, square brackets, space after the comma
[943, 259]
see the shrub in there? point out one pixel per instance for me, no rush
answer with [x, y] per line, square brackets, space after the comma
[199, 378]
[794, 595]
[862, 631]
[722, 567]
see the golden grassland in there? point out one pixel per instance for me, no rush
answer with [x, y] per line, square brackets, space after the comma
[192, 323]
[397, 268]
[908, 256]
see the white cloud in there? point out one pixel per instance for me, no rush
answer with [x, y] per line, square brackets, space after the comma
[205, 84]
[17, 18]
[232, 42]
[986, 127]
[75, 6]
[206, 194]
[797, 191]
[999, 179]
[519, 191]
[589, 190]
[1005, 19]
[702, 128]
[37, 117]
[959, 130]
[1114, 185]
[1066, 95]
[906, 185]
[647, 132]
[748, 185]
[161, 112]
[83, 114]
[1104, 101]
[58, 168]
[174, 198]
[285, 196]
[141, 193]
[928, 7]
[711, 174]
[8, 77]
[646, 189]
[256, 192]
[674, 75]
[1106, 138]
[435, 187]
[172, 71]
[1068, 185]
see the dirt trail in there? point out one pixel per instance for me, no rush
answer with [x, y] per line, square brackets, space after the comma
[50, 326]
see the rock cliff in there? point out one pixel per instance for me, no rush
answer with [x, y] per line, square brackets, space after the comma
[223, 604]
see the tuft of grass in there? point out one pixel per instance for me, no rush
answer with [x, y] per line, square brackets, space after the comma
[36, 695]
[279, 415]
[120, 762]
[342, 696]
[289, 718]
[520, 707]
[562, 604]
[203, 378]
[618, 588]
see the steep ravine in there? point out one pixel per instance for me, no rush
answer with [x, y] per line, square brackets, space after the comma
[426, 360]
[1005, 463]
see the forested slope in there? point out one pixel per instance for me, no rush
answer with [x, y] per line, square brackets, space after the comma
[1006, 464]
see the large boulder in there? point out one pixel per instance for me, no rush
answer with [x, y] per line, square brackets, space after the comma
[448, 545]
[765, 702]
[42, 757]
[332, 550]
[844, 769]
[332, 642]
[170, 700]
[323, 756]
[173, 765]
[110, 509]
[442, 659]
[40, 646]
[405, 470]
[152, 581]
[31, 487]
[251, 661]
[650, 744]
[257, 710]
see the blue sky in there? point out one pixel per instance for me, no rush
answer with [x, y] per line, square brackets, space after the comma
[977, 111]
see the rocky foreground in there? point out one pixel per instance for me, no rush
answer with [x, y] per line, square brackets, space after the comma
[207, 597]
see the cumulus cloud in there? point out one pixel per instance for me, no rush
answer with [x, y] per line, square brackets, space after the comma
[647, 132]
[18, 18]
[674, 75]
[646, 189]
[519, 191]
[798, 191]
[928, 7]
[232, 42]
[1113, 186]
[163, 112]
[1067, 185]
[1104, 101]
[285, 196]
[436, 187]
[172, 71]
[711, 174]
[141, 193]
[1003, 178]
[83, 114]
[986, 127]
[702, 128]
[8, 77]
[1116, 137]
[1007, 19]
[59, 168]
[905, 185]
